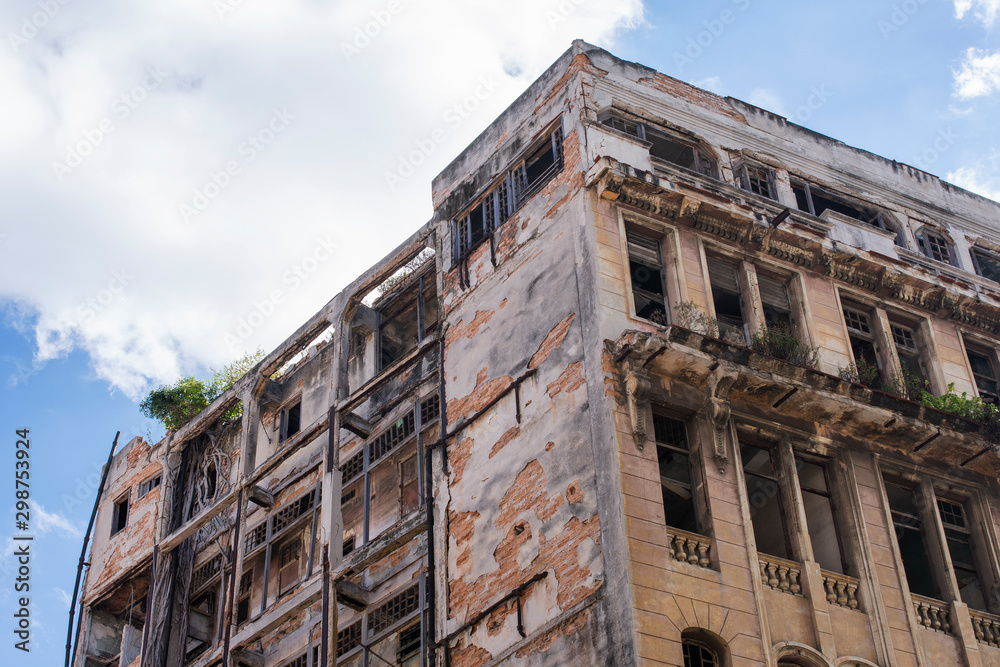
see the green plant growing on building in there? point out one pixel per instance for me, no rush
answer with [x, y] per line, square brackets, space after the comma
[782, 342]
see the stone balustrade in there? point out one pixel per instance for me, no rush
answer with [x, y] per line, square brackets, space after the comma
[689, 547]
[986, 627]
[780, 574]
[932, 614]
[841, 590]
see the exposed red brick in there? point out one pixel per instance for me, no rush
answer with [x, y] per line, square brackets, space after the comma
[553, 340]
[574, 494]
[459, 457]
[481, 396]
[544, 641]
[462, 330]
[569, 380]
[495, 621]
[461, 528]
[528, 492]
[549, 445]
[504, 439]
[470, 656]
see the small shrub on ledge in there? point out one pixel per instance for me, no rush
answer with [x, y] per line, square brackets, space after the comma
[782, 342]
[972, 408]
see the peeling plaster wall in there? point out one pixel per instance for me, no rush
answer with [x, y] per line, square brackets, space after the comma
[115, 555]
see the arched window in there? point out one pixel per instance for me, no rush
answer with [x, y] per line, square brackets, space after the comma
[703, 649]
[697, 654]
[935, 245]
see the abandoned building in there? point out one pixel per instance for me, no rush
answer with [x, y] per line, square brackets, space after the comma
[646, 389]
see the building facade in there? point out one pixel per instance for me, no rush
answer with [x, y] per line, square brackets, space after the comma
[645, 390]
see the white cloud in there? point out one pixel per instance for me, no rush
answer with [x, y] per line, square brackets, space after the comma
[974, 180]
[767, 99]
[979, 74]
[43, 522]
[359, 102]
[986, 11]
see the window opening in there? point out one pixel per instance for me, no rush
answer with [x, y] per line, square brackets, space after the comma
[935, 246]
[291, 421]
[756, 180]
[812, 199]
[775, 303]
[382, 480]
[763, 496]
[645, 269]
[206, 573]
[910, 360]
[408, 653]
[288, 568]
[859, 333]
[674, 460]
[984, 371]
[987, 264]
[726, 295]
[910, 538]
[820, 515]
[149, 485]
[407, 319]
[119, 518]
[349, 639]
[697, 654]
[960, 547]
[243, 597]
[394, 609]
[516, 187]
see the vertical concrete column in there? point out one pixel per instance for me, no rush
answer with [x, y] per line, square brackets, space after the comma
[961, 625]
[753, 311]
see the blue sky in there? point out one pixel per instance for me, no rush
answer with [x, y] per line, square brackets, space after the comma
[186, 180]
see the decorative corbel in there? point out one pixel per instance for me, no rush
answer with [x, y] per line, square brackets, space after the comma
[719, 411]
[638, 389]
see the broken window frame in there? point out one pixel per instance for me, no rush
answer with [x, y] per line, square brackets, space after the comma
[934, 244]
[299, 527]
[764, 293]
[640, 243]
[505, 196]
[372, 456]
[703, 161]
[981, 257]
[861, 323]
[786, 489]
[982, 377]
[706, 655]
[756, 179]
[423, 302]
[665, 430]
[806, 193]
[909, 345]
[291, 420]
[367, 640]
[118, 522]
[148, 485]
[770, 486]
[213, 585]
[927, 495]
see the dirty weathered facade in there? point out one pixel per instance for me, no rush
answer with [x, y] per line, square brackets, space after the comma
[595, 412]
